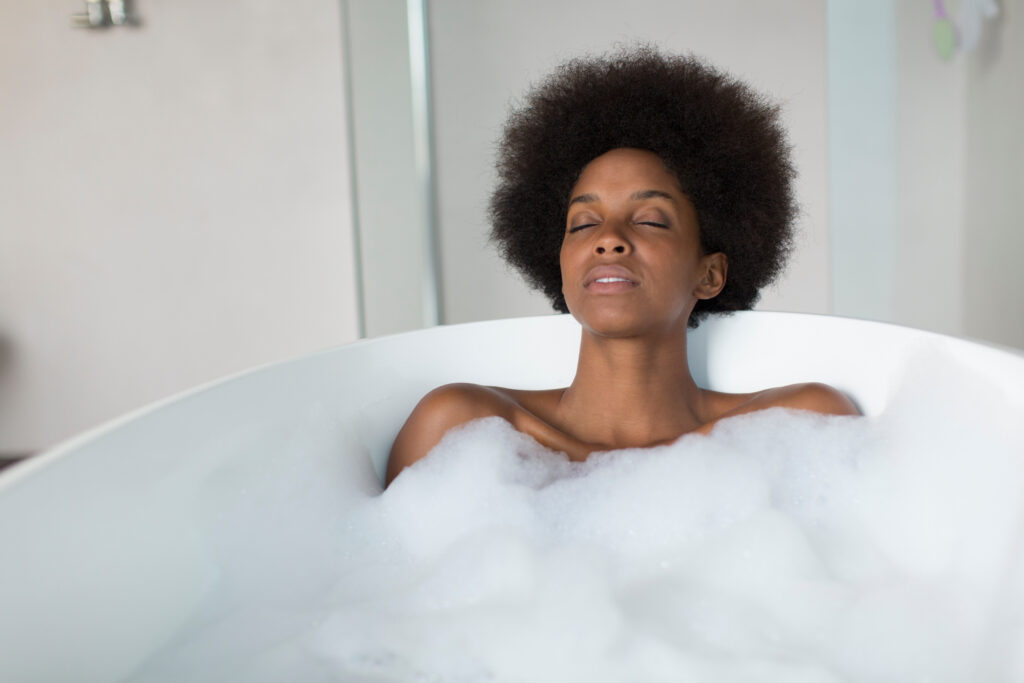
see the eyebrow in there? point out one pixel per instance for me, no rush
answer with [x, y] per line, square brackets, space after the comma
[649, 194]
[642, 194]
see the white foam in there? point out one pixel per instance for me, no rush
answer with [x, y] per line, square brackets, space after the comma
[785, 546]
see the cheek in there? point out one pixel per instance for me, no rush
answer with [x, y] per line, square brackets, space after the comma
[563, 266]
[684, 276]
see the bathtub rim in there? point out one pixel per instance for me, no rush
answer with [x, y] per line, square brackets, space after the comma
[13, 474]
[17, 471]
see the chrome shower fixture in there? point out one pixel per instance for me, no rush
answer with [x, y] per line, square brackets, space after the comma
[105, 13]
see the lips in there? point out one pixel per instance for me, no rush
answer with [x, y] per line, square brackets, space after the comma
[610, 276]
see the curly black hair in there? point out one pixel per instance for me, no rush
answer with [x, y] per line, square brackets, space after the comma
[723, 141]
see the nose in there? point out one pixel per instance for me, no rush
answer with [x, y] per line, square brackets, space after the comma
[612, 239]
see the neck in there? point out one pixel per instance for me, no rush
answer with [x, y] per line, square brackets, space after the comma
[631, 392]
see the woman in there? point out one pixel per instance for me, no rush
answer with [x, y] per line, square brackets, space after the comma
[640, 192]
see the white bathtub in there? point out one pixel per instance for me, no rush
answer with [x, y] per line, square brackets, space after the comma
[103, 552]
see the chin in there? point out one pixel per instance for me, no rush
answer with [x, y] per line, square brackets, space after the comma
[611, 321]
[621, 320]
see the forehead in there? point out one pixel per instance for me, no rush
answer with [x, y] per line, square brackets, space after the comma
[626, 169]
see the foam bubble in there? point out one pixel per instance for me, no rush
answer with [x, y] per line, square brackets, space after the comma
[784, 546]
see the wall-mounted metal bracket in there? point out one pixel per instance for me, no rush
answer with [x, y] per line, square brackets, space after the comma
[106, 13]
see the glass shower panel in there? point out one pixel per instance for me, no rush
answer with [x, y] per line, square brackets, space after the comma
[391, 164]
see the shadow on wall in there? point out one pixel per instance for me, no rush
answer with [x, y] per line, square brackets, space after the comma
[6, 356]
[6, 353]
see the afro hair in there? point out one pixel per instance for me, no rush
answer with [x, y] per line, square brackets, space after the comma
[722, 140]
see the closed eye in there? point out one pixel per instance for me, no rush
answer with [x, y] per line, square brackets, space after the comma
[580, 227]
[652, 223]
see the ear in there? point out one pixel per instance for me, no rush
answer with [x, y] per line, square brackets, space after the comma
[715, 267]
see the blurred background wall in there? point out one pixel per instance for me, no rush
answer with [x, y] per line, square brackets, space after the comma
[174, 203]
[239, 182]
[925, 164]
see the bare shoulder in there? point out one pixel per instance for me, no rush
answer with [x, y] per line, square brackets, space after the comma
[442, 409]
[813, 396]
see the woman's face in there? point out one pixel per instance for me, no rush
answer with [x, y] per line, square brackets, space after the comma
[631, 258]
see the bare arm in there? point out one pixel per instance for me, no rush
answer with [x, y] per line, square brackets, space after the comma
[443, 408]
[812, 396]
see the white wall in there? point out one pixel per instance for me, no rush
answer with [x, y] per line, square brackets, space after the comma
[993, 242]
[896, 153]
[485, 54]
[173, 204]
[862, 143]
[927, 285]
[926, 170]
